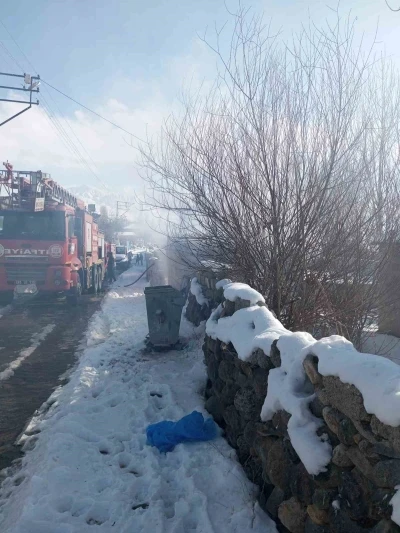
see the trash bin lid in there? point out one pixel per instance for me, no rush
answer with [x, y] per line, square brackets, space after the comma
[161, 289]
[168, 291]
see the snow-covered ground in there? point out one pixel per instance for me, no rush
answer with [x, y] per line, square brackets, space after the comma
[88, 463]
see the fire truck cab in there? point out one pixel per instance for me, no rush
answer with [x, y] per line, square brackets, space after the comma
[49, 242]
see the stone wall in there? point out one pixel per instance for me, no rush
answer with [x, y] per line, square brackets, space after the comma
[197, 313]
[354, 493]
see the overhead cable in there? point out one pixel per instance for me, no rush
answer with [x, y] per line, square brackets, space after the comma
[94, 112]
[52, 117]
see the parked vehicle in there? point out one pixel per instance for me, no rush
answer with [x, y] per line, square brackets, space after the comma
[49, 242]
[122, 259]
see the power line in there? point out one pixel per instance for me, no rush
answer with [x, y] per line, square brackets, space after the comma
[94, 112]
[66, 95]
[48, 105]
[76, 137]
[10, 65]
[65, 137]
[67, 141]
[54, 121]
[11, 56]
[55, 103]
[18, 46]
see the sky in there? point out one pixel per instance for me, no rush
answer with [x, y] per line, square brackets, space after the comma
[128, 60]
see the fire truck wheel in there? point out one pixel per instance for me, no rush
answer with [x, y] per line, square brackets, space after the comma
[95, 281]
[99, 280]
[74, 295]
[6, 297]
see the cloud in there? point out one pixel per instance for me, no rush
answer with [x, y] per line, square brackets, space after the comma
[42, 138]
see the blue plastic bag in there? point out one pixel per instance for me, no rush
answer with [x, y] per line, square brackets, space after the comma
[166, 435]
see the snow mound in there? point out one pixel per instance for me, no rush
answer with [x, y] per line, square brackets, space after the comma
[287, 390]
[222, 282]
[197, 291]
[234, 291]
[248, 329]
[377, 378]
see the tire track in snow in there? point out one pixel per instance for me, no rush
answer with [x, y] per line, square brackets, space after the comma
[36, 340]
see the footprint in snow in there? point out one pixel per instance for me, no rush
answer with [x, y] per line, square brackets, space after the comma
[115, 400]
[105, 448]
[63, 504]
[140, 506]
[124, 459]
[135, 471]
[97, 514]
[97, 391]
[93, 522]
[102, 484]
[159, 403]
[81, 506]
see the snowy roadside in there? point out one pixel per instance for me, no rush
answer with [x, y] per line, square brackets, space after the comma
[90, 465]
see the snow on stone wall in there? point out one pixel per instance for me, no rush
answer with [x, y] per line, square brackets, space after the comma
[315, 423]
[205, 294]
[197, 291]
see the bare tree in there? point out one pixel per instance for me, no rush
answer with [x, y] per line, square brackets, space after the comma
[287, 171]
[111, 225]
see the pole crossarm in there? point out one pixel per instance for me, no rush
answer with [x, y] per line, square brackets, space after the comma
[26, 89]
[30, 85]
[124, 206]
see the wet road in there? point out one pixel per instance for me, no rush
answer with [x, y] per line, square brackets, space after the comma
[39, 342]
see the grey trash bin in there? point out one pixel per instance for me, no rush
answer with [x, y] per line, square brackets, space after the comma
[164, 309]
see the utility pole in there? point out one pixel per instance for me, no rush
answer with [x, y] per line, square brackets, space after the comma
[30, 85]
[124, 206]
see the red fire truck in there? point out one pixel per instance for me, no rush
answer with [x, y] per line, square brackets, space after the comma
[49, 242]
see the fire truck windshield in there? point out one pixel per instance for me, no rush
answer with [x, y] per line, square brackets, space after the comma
[120, 250]
[43, 225]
